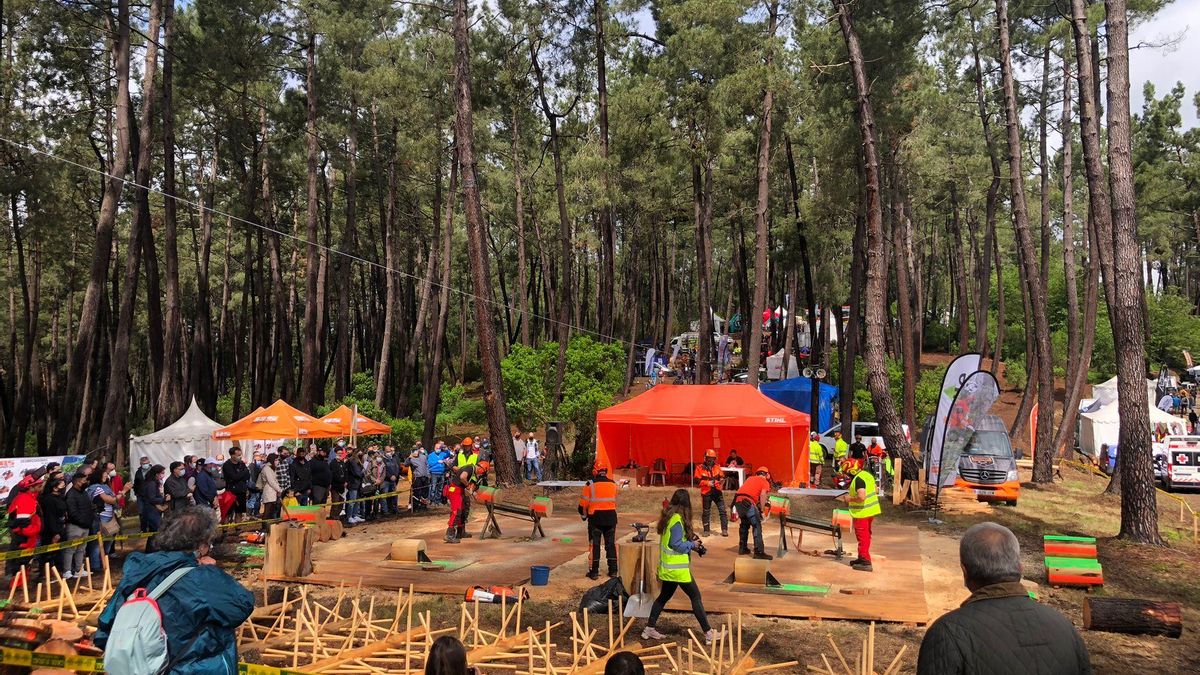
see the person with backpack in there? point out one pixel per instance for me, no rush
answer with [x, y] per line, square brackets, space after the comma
[190, 628]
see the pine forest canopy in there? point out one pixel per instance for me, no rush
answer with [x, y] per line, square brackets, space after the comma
[378, 201]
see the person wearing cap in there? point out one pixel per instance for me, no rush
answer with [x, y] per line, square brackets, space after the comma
[750, 503]
[598, 506]
[25, 525]
[711, 479]
[816, 459]
[864, 506]
[533, 459]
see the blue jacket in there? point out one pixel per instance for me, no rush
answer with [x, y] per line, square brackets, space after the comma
[207, 604]
[436, 466]
[206, 488]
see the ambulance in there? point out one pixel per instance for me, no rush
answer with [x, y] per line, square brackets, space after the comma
[1183, 462]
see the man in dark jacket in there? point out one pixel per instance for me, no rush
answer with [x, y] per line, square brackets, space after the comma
[237, 480]
[81, 515]
[999, 629]
[337, 485]
[176, 487]
[321, 476]
[206, 485]
[200, 613]
[301, 470]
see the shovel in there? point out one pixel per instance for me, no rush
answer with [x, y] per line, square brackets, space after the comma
[639, 604]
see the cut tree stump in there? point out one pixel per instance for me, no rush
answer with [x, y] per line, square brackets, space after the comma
[1132, 616]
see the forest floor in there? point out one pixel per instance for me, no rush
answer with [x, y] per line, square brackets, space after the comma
[1074, 504]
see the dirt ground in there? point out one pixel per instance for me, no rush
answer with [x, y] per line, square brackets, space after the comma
[1073, 505]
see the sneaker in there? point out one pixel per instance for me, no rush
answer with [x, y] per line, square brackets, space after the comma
[724, 533]
[862, 566]
[743, 550]
[710, 636]
[612, 574]
[651, 634]
[707, 533]
[593, 575]
[68, 575]
[761, 555]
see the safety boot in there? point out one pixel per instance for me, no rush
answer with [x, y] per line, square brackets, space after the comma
[451, 537]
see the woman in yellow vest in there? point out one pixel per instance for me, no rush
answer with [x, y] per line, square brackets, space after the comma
[676, 543]
[864, 506]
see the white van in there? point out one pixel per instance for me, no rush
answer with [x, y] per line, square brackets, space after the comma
[863, 431]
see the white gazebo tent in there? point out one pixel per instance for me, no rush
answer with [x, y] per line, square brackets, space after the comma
[1104, 426]
[191, 434]
[775, 366]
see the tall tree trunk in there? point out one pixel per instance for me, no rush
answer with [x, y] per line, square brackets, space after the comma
[565, 293]
[605, 304]
[958, 266]
[391, 258]
[519, 212]
[1044, 168]
[1078, 361]
[116, 403]
[1139, 505]
[761, 219]
[342, 368]
[1043, 460]
[433, 372]
[876, 287]
[489, 356]
[989, 234]
[312, 383]
[89, 313]
[170, 391]
[908, 351]
[816, 349]
[702, 203]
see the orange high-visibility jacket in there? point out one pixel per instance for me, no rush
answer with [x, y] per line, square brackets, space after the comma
[709, 478]
[599, 495]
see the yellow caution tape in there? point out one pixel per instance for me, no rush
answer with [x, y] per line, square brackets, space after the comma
[95, 664]
[48, 548]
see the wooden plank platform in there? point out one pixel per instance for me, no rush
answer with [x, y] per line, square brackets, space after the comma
[474, 561]
[894, 592]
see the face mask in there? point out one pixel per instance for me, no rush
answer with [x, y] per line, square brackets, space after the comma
[341, 444]
[112, 474]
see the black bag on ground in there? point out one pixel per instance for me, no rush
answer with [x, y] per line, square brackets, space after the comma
[596, 599]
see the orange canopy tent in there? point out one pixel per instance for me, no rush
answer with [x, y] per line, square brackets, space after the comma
[351, 425]
[278, 420]
[678, 423]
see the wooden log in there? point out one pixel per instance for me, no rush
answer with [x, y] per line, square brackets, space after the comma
[751, 571]
[1133, 616]
[407, 550]
[487, 494]
[273, 565]
[1070, 550]
[778, 506]
[628, 557]
[297, 561]
[335, 529]
[542, 506]
[842, 517]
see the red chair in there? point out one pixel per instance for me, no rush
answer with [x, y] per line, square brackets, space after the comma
[659, 469]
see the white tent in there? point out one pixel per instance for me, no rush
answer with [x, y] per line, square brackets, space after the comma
[189, 435]
[1106, 392]
[1104, 426]
[775, 367]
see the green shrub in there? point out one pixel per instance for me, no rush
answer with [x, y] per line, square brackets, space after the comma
[1015, 375]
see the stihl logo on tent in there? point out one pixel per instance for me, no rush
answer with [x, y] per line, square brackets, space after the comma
[776, 420]
[266, 418]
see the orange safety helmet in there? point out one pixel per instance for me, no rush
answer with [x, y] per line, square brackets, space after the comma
[468, 441]
[598, 468]
[482, 467]
[764, 473]
[710, 453]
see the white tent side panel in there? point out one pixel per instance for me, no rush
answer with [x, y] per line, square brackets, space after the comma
[1104, 426]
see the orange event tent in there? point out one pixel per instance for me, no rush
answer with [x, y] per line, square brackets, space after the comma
[278, 420]
[362, 426]
[678, 423]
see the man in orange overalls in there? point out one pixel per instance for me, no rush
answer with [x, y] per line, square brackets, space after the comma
[598, 506]
[711, 480]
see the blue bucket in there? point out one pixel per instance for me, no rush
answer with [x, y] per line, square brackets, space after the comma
[539, 575]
